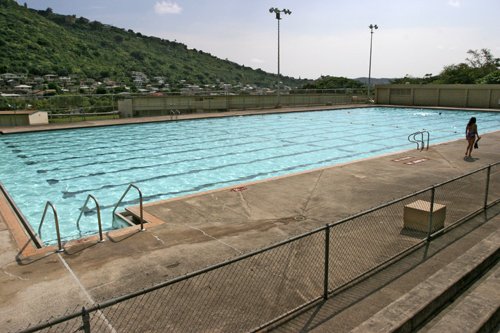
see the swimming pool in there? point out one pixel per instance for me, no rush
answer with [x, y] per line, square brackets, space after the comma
[169, 159]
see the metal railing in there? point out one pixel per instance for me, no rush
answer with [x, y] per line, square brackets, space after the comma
[255, 290]
[56, 221]
[420, 142]
[98, 210]
[174, 114]
[140, 204]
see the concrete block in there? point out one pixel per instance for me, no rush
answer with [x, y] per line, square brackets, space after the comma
[416, 216]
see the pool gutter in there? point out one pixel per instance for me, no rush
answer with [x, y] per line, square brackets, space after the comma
[21, 218]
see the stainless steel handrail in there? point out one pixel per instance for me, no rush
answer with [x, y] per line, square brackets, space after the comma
[174, 114]
[412, 138]
[90, 196]
[56, 220]
[140, 202]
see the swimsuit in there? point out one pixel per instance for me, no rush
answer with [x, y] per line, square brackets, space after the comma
[470, 133]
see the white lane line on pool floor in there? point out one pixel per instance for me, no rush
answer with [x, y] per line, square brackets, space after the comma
[84, 290]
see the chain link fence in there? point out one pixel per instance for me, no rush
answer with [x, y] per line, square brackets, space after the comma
[257, 289]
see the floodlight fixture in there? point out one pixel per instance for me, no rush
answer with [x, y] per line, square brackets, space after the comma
[371, 26]
[279, 11]
[278, 17]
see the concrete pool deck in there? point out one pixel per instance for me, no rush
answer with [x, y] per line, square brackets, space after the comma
[207, 228]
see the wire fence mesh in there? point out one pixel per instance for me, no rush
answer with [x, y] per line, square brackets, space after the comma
[256, 289]
[494, 184]
[360, 244]
[462, 196]
[231, 298]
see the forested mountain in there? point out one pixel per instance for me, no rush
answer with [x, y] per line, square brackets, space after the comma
[43, 42]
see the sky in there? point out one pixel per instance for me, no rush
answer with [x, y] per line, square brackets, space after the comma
[319, 37]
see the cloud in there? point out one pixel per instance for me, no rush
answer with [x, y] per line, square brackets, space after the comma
[455, 3]
[167, 7]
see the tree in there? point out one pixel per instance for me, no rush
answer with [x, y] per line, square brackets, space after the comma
[54, 86]
[333, 82]
[478, 65]
[482, 62]
[101, 90]
[457, 74]
[492, 78]
[482, 59]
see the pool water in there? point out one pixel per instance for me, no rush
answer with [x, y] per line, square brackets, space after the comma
[169, 159]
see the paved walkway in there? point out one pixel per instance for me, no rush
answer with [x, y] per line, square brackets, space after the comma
[199, 230]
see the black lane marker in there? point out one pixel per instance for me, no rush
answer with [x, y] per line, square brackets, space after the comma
[234, 180]
[152, 156]
[290, 144]
[170, 142]
[70, 194]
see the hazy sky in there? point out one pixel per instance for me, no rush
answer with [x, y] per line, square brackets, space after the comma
[320, 37]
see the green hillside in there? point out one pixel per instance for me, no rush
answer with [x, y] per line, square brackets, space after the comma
[42, 42]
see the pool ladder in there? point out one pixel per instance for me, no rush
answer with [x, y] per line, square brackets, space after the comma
[56, 221]
[420, 141]
[84, 209]
[141, 217]
[174, 114]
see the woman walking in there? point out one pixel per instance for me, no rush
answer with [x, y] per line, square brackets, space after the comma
[470, 135]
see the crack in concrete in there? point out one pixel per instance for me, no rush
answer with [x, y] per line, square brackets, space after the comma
[245, 205]
[450, 164]
[159, 239]
[14, 276]
[209, 236]
[305, 207]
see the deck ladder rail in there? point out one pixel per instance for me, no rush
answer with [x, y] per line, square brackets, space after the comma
[420, 142]
[56, 220]
[98, 209]
[140, 203]
[174, 113]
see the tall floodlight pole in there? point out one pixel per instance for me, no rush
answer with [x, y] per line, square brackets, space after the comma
[371, 26]
[278, 18]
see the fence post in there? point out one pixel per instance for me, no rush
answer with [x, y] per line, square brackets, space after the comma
[327, 261]
[85, 320]
[431, 213]
[487, 187]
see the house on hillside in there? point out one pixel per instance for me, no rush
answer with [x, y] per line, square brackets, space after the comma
[23, 88]
[50, 77]
[10, 76]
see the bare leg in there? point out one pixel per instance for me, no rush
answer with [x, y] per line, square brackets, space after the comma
[470, 146]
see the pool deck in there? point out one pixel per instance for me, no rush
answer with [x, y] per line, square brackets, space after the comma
[193, 232]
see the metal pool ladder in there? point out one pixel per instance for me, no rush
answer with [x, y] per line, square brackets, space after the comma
[56, 220]
[174, 114]
[140, 203]
[82, 210]
[420, 141]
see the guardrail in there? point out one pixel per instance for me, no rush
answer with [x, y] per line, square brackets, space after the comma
[56, 222]
[420, 142]
[257, 289]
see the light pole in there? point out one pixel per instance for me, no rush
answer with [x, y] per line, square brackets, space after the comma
[278, 18]
[371, 26]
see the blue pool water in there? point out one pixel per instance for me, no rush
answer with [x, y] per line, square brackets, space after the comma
[169, 159]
